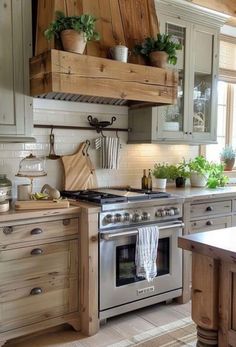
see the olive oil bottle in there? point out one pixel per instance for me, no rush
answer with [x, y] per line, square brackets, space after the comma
[149, 180]
[144, 180]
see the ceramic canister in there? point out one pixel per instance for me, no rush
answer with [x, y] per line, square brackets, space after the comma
[120, 53]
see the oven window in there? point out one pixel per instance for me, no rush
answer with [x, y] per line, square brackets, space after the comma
[125, 262]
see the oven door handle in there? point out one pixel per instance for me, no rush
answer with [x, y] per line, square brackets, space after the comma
[111, 236]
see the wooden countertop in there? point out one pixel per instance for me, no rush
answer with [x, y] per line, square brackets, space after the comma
[218, 244]
[193, 193]
[13, 215]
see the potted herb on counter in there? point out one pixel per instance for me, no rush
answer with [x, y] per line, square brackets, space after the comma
[160, 50]
[180, 173]
[74, 31]
[161, 172]
[227, 156]
[199, 169]
[216, 176]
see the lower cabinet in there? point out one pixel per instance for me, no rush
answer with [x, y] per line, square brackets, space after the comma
[39, 276]
[204, 215]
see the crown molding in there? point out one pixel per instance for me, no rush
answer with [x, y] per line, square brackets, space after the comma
[186, 10]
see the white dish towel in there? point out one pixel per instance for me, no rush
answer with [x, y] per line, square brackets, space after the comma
[146, 252]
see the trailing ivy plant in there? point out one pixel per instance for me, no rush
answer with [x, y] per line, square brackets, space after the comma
[84, 23]
[162, 42]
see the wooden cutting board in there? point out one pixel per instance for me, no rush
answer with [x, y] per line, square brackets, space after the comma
[40, 204]
[78, 170]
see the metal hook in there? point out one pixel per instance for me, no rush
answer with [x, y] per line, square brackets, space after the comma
[117, 134]
[102, 133]
[88, 145]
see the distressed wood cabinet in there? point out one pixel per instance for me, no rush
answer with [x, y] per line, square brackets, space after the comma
[39, 272]
[200, 216]
[16, 117]
[193, 119]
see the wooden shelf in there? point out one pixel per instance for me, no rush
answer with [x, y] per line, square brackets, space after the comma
[69, 76]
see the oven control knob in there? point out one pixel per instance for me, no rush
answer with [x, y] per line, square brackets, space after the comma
[161, 212]
[176, 210]
[170, 212]
[119, 218]
[128, 217]
[146, 216]
[137, 217]
[109, 218]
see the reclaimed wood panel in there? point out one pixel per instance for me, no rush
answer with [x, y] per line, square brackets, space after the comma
[124, 22]
[81, 74]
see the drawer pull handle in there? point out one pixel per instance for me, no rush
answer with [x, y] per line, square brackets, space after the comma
[36, 231]
[209, 208]
[8, 230]
[66, 222]
[36, 291]
[209, 222]
[37, 251]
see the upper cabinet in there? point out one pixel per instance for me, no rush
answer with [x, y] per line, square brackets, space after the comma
[193, 119]
[16, 116]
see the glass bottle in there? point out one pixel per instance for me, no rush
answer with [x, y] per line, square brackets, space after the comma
[144, 180]
[149, 180]
[6, 186]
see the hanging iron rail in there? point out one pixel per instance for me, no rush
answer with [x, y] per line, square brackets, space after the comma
[50, 126]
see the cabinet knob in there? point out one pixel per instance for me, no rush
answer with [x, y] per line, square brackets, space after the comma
[186, 133]
[7, 230]
[36, 291]
[36, 231]
[66, 221]
[190, 133]
[209, 208]
[36, 251]
[209, 222]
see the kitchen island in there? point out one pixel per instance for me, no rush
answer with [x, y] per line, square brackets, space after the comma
[213, 285]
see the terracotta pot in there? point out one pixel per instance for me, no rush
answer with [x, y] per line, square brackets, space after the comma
[73, 41]
[159, 59]
[229, 164]
[180, 182]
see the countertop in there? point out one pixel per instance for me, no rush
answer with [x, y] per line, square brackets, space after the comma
[218, 244]
[13, 215]
[192, 193]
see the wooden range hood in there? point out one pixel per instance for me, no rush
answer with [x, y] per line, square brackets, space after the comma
[56, 74]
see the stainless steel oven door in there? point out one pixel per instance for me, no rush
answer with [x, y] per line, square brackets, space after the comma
[119, 284]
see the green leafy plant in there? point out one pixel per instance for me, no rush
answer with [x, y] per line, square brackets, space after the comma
[216, 176]
[162, 42]
[179, 170]
[227, 153]
[200, 165]
[84, 23]
[161, 171]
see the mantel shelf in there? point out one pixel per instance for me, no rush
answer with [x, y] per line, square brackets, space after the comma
[69, 76]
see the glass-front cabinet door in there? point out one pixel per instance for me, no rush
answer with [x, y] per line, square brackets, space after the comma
[171, 119]
[203, 101]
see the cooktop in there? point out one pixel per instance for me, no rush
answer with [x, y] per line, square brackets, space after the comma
[113, 195]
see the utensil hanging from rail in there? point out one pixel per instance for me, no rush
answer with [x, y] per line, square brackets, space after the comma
[52, 155]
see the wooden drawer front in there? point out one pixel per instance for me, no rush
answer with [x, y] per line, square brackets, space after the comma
[38, 231]
[37, 301]
[210, 224]
[208, 208]
[59, 258]
[234, 205]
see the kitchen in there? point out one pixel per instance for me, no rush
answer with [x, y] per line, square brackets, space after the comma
[134, 156]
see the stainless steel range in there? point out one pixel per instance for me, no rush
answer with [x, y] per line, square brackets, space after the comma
[122, 212]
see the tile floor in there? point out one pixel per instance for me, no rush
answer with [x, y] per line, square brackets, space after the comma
[115, 331]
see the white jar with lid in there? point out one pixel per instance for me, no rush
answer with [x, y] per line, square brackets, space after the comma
[5, 187]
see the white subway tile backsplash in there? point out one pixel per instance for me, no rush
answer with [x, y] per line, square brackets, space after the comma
[133, 158]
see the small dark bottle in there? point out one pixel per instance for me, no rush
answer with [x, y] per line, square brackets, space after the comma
[144, 180]
[149, 180]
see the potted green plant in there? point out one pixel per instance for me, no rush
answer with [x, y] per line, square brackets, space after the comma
[227, 156]
[160, 50]
[216, 176]
[74, 31]
[180, 173]
[199, 171]
[161, 172]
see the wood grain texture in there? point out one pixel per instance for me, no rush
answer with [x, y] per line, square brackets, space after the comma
[58, 71]
[89, 272]
[118, 21]
[205, 291]
[40, 205]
